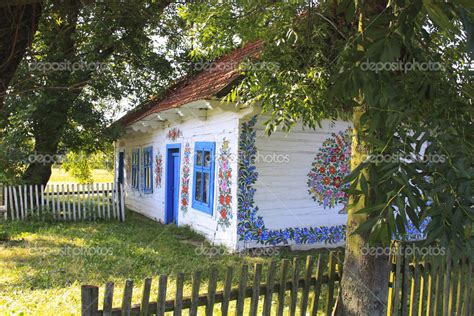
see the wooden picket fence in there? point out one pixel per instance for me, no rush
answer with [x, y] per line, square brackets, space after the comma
[325, 271]
[67, 202]
[438, 284]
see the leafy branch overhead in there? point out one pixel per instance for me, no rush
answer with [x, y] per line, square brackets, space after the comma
[328, 57]
[87, 60]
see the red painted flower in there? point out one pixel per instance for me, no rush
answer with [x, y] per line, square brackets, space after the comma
[222, 199]
[342, 157]
[326, 181]
[332, 170]
[322, 170]
[184, 202]
[227, 199]
[223, 213]
[228, 174]
[185, 189]
[333, 158]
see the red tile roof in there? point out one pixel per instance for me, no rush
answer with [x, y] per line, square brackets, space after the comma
[203, 85]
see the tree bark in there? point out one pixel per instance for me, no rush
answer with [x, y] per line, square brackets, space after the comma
[18, 24]
[50, 116]
[364, 284]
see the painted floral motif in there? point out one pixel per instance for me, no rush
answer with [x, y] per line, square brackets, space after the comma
[128, 168]
[413, 233]
[185, 179]
[331, 165]
[224, 203]
[158, 169]
[251, 227]
[174, 134]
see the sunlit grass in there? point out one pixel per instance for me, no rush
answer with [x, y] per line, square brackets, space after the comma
[44, 264]
[59, 175]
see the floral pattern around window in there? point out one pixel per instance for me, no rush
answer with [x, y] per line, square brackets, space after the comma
[185, 179]
[251, 226]
[224, 200]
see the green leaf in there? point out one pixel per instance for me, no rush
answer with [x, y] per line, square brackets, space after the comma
[437, 15]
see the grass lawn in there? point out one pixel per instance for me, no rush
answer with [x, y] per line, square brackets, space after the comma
[58, 175]
[43, 265]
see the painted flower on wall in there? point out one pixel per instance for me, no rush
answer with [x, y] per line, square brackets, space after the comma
[174, 134]
[251, 226]
[331, 165]
[224, 203]
[158, 169]
[128, 169]
[185, 179]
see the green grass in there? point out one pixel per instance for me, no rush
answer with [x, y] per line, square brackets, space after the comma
[58, 175]
[43, 265]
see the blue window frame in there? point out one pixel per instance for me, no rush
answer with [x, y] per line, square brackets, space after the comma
[135, 169]
[203, 180]
[148, 169]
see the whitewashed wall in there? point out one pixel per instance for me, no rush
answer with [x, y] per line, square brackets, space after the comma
[217, 126]
[283, 163]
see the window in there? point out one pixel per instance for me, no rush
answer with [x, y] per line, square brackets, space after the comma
[148, 170]
[135, 168]
[203, 182]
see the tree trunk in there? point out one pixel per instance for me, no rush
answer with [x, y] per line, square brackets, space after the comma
[18, 24]
[47, 136]
[50, 116]
[364, 285]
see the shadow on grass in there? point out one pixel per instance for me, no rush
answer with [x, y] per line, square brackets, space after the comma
[54, 255]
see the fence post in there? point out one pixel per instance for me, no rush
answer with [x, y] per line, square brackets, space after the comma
[331, 272]
[4, 200]
[90, 300]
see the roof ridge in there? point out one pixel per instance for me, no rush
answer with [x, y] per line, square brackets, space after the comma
[220, 79]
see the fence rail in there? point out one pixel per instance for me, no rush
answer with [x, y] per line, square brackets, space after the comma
[68, 202]
[300, 284]
[428, 285]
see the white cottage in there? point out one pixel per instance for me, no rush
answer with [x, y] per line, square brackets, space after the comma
[189, 159]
